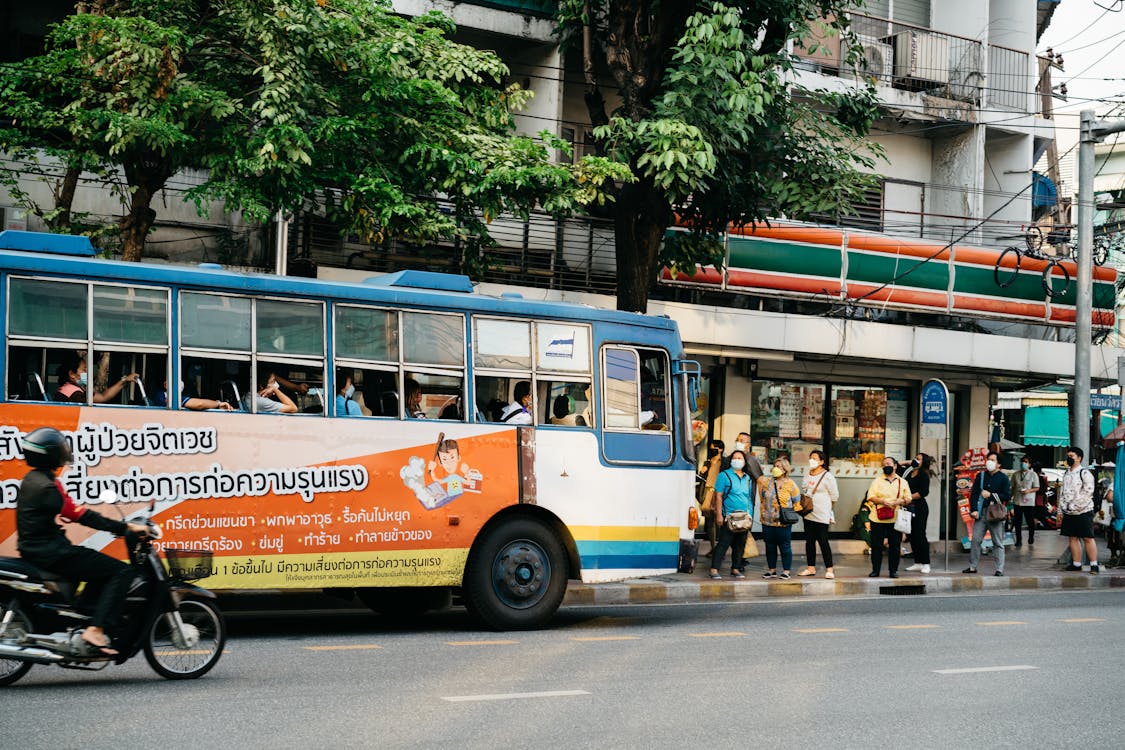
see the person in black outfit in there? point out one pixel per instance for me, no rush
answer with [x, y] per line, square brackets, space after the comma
[43, 543]
[918, 479]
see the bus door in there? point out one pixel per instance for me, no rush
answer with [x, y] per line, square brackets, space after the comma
[636, 406]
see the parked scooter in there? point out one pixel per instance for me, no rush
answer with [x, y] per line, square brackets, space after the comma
[176, 623]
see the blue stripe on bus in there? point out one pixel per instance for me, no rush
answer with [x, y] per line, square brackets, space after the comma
[630, 562]
[624, 548]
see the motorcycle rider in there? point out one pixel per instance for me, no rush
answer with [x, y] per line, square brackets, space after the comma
[43, 543]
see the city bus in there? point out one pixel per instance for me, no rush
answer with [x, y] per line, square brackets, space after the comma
[405, 438]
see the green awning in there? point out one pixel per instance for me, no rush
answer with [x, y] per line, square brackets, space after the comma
[1046, 425]
[1050, 425]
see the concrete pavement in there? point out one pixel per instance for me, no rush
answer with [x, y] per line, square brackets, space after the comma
[1030, 567]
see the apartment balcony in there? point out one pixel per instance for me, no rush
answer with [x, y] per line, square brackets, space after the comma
[541, 8]
[926, 74]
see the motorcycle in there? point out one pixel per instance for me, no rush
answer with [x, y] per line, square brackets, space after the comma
[176, 623]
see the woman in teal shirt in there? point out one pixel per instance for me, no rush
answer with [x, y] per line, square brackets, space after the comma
[732, 495]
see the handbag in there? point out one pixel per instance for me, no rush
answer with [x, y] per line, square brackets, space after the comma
[995, 511]
[788, 517]
[739, 520]
[806, 505]
[904, 521]
[884, 513]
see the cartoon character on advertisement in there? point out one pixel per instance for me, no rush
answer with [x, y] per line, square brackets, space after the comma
[449, 476]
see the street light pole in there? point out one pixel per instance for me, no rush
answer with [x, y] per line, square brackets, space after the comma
[1092, 131]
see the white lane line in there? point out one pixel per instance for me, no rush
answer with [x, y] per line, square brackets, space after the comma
[513, 696]
[973, 670]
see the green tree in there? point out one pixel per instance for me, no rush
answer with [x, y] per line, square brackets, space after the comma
[711, 126]
[339, 105]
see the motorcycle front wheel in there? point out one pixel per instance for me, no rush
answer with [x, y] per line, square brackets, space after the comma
[13, 669]
[191, 654]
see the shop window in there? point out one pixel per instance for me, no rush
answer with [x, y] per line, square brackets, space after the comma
[867, 425]
[787, 419]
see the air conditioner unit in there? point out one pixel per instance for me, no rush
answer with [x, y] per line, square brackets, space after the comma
[876, 63]
[921, 57]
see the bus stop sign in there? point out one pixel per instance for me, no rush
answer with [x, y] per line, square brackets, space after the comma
[935, 409]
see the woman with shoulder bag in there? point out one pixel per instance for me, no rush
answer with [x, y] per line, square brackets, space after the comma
[887, 494]
[733, 515]
[822, 492]
[778, 492]
[918, 480]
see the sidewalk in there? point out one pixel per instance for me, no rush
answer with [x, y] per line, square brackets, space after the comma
[1030, 567]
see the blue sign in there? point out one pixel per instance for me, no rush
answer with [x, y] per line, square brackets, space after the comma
[1100, 401]
[935, 403]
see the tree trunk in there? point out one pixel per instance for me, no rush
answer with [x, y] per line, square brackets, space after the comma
[145, 181]
[64, 197]
[642, 214]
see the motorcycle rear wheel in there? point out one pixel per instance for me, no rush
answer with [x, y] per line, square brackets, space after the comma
[186, 661]
[13, 669]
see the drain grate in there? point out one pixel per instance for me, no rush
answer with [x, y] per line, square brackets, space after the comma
[906, 589]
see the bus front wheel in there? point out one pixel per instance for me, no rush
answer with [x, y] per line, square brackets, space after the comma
[516, 577]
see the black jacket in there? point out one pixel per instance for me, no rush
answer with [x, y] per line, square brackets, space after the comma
[38, 502]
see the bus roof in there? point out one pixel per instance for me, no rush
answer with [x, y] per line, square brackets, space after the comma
[404, 288]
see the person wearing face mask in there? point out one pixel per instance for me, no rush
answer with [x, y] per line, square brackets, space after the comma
[991, 486]
[345, 389]
[732, 495]
[73, 379]
[886, 494]
[918, 480]
[1025, 491]
[709, 473]
[270, 399]
[775, 492]
[820, 485]
[1076, 508]
[753, 468]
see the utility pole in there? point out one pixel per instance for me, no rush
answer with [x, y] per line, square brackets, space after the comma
[1092, 131]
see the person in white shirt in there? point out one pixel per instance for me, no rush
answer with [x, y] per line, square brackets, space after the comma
[1076, 506]
[519, 411]
[1027, 486]
[820, 485]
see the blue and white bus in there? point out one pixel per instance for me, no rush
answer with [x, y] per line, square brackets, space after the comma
[404, 437]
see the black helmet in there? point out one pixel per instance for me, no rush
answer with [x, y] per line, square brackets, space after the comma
[45, 448]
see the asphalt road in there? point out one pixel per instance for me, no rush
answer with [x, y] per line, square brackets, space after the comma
[1016, 670]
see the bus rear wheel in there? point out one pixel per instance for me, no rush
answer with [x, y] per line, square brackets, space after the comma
[516, 577]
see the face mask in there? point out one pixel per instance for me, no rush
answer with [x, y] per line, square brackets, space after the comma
[712, 451]
[990, 465]
[1025, 466]
[888, 470]
[778, 472]
[914, 462]
[737, 464]
[349, 391]
[1070, 460]
[741, 446]
[82, 379]
[813, 463]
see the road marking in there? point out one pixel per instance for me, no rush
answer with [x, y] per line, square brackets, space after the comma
[820, 630]
[480, 643]
[592, 638]
[732, 634]
[1001, 622]
[1083, 619]
[353, 647]
[911, 627]
[973, 670]
[513, 696]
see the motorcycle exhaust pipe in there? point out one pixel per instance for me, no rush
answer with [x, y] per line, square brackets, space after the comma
[25, 653]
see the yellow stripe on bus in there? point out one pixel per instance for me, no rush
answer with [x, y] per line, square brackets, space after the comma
[626, 533]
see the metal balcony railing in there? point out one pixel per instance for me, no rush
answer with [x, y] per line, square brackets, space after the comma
[915, 58]
[1010, 82]
[542, 8]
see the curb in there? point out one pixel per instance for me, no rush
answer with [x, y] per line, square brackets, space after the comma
[690, 589]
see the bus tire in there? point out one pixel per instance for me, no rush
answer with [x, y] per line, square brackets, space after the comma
[516, 576]
[406, 603]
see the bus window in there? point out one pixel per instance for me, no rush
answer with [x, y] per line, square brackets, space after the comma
[32, 372]
[654, 389]
[506, 399]
[364, 333]
[290, 327]
[433, 396]
[433, 339]
[215, 321]
[501, 344]
[564, 404]
[220, 380]
[129, 378]
[622, 388]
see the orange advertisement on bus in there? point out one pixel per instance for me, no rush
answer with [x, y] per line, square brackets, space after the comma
[281, 501]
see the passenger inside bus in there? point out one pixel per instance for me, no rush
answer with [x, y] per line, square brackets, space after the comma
[346, 405]
[72, 382]
[413, 399]
[563, 414]
[191, 401]
[270, 399]
[519, 410]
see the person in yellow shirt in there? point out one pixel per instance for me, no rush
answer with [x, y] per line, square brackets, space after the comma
[887, 493]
